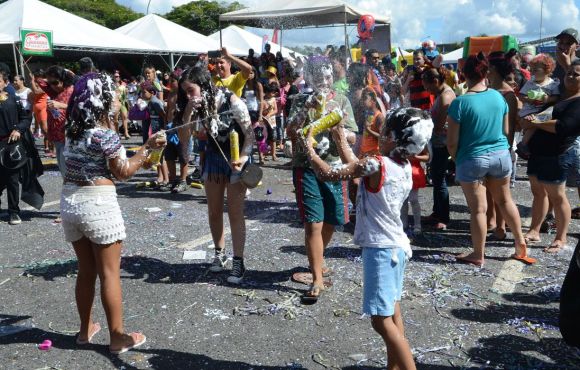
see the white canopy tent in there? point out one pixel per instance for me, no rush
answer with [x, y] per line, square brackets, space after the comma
[453, 57]
[69, 31]
[242, 39]
[171, 37]
[289, 14]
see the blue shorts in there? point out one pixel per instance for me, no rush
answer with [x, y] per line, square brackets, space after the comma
[217, 169]
[383, 272]
[573, 179]
[553, 170]
[475, 169]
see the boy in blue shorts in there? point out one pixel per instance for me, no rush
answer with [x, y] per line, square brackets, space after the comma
[386, 183]
[323, 205]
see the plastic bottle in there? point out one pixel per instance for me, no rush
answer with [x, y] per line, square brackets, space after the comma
[154, 158]
[234, 146]
[54, 112]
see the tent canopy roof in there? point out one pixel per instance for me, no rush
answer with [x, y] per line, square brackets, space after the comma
[453, 56]
[234, 35]
[69, 31]
[287, 14]
[169, 36]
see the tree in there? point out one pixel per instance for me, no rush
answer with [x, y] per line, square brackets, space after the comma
[201, 16]
[104, 12]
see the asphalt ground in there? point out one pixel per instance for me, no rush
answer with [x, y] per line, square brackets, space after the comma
[502, 316]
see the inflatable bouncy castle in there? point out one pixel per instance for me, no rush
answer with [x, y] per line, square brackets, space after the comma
[488, 44]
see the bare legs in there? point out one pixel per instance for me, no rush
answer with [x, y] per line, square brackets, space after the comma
[215, 192]
[317, 237]
[104, 261]
[393, 333]
[539, 208]
[475, 194]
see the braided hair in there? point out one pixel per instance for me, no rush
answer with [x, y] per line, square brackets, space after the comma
[199, 75]
[410, 129]
[91, 101]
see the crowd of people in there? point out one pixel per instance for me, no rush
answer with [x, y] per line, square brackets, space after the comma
[393, 132]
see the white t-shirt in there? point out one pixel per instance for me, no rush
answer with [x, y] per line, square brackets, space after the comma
[378, 211]
[549, 86]
[23, 95]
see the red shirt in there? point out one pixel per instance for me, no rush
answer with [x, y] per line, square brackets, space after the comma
[56, 124]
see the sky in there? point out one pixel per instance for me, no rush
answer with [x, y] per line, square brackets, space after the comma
[414, 21]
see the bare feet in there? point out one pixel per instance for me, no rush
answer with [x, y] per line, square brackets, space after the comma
[125, 342]
[522, 254]
[532, 237]
[470, 258]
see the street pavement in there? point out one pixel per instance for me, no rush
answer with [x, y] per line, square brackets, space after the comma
[501, 316]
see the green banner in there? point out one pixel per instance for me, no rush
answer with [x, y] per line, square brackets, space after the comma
[34, 42]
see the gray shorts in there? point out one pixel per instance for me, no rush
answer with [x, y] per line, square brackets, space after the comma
[92, 212]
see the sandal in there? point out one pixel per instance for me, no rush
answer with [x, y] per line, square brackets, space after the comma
[467, 261]
[524, 258]
[531, 240]
[311, 295]
[554, 248]
[138, 339]
[97, 328]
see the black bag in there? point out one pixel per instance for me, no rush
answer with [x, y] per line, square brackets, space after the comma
[570, 302]
[13, 155]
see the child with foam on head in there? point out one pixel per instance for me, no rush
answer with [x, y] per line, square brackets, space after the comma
[387, 182]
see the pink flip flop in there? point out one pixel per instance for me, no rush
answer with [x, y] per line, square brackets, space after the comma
[137, 343]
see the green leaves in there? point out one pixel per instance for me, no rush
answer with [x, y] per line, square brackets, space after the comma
[201, 16]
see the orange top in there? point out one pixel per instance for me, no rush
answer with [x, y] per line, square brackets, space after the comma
[370, 143]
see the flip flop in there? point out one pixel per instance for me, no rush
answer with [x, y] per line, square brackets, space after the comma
[136, 344]
[466, 261]
[309, 297]
[554, 248]
[532, 241]
[97, 327]
[306, 278]
[525, 259]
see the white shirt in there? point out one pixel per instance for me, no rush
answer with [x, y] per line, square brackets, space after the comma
[378, 211]
[23, 95]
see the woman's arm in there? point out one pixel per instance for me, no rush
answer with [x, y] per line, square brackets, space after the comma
[512, 117]
[123, 168]
[452, 136]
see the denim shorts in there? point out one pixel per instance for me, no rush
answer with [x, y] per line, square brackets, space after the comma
[554, 169]
[496, 164]
[573, 179]
[383, 272]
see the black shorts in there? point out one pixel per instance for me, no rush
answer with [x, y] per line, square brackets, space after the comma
[272, 134]
[173, 152]
[552, 170]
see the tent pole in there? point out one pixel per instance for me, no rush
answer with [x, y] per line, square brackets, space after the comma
[171, 62]
[15, 58]
[346, 55]
[21, 63]
[220, 26]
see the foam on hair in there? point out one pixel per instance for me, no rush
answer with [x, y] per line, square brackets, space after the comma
[410, 129]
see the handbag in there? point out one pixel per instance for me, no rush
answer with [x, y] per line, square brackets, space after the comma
[13, 155]
[136, 114]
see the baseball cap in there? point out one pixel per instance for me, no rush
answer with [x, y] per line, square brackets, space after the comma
[272, 70]
[572, 32]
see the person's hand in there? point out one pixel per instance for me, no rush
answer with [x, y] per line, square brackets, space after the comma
[527, 122]
[239, 164]
[306, 140]
[14, 136]
[337, 131]
[225, 53]
[157, 141]
[50, 104]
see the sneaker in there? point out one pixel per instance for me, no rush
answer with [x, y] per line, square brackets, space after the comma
[14, 219]
[180, 187]
[219, 261]
[238, 271]
[165, 186]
